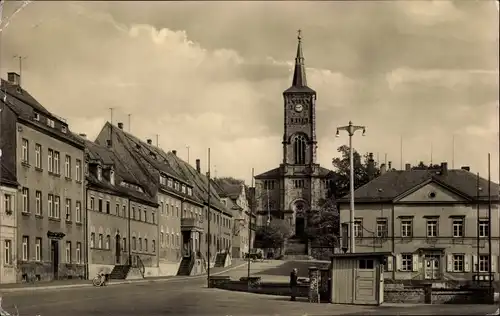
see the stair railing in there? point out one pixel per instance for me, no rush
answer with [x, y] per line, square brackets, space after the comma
[192, 261]
[140, 265]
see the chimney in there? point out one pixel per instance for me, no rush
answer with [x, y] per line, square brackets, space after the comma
[444, 168]
[150, 142]
[466, 168]
[120, 125]
[408, 167]
[174, 152]
[198, 168]
[389, 165]
[383, 169]
[83, 135]
[14, 78]
[371, 167]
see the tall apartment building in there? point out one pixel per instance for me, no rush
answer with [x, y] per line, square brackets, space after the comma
[47, 160]
[435, 222]
[122, 217]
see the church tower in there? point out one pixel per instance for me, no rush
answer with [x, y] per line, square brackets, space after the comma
[299, 137]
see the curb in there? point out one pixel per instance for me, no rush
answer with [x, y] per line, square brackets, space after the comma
[139, 281]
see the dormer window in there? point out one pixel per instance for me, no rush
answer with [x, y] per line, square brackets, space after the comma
[163, 180]
[99, 173]
[183, 189]
[190, 191]
[112, 177]
[50, 122]
[36, 117]
[63, 129]
[169, 183]
[176, 185]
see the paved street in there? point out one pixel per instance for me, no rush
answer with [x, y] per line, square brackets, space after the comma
[189, 296]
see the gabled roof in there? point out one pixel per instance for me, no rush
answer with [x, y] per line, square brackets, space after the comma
[395, 183]
[108, 157]
[7, 177]
[228, 187]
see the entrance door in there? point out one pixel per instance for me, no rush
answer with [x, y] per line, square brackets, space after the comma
[54, 252]
[118, 249]
[366, 282]
[432, 266]
[299, 226]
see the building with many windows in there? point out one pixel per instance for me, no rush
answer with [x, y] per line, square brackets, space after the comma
[432, 220]
[8, 224]
[47, 160]
[122, 216]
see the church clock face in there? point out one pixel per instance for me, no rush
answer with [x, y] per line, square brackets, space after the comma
[299, 107]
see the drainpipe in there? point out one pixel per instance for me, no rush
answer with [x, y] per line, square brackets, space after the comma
[129, 236]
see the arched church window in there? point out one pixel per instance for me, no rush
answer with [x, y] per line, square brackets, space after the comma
[299, 149]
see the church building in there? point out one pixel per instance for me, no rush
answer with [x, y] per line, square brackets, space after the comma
[299, 184]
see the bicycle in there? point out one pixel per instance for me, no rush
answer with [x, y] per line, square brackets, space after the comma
[100, 279]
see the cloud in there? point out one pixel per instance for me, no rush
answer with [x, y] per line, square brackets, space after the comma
[198, 76]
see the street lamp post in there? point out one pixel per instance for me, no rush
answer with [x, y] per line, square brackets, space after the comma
[351, 129]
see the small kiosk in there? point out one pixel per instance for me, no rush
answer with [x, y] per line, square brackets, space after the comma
[358, 278]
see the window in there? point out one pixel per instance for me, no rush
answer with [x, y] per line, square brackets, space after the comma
[153, 246]
[458, 227]
[57, 209]
[78, 211]
[50, 123]
[67, 167]
[78, 252]
[153, 218]
[78, 170]
[169, 183]
[406, 228]
[162, 239]
[432, 228]
[92, 240]
[299, 183]
[268, 185]
[64, 129]
[133, 212]
[92, 203]
[26, 195]
[7, 252]
[484, 263]
[382, 227]
[406, 262]
[99, 173]
[124, 247]
[484, 228]
[190, 191]
[108, 207]
[108, 242]
[100, 205]
[26, 250]
[36, 116]
[358, 228]
[68, 210]
[134, 243]
[8, 202]
[145, 216]
[458, 263]
[117, 209]
[145, 244]
[124, 211]
[140, 244]
[38, 249]
[50, 160]
[38, 203]
[299, 149]
[184, 188]
[99, 242]
[38, 156]
[68, 252]
[50, 205]
[24, 154]
[57, 167]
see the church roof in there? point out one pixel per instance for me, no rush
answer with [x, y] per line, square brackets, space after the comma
[299, 81]
[276, 173]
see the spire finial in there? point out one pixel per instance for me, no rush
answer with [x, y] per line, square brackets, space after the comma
[299, 34]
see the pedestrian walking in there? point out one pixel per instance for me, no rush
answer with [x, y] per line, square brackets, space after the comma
[293, 283]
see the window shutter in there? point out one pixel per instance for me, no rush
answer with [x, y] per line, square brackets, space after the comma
[449, 263]
[474, 263]
[466, 264]
[389, 263]
[398, 262]
[415, 263]
[494, 263]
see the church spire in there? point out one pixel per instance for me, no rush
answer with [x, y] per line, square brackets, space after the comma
[299, 75]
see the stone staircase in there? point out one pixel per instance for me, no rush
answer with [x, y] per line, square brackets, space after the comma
[185, 267]
[220, 259]
[296, 249]
[119, 272]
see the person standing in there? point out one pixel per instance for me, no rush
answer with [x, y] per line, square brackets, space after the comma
[293, 283]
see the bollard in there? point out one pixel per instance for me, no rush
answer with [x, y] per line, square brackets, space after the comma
[314, 282]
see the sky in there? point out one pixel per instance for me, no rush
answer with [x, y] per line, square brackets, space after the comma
[211, 74]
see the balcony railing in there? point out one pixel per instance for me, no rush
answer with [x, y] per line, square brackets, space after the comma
[190, 224]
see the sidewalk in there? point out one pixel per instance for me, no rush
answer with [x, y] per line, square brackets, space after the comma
[67, 284]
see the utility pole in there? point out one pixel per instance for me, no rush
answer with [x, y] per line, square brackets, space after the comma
[187, 147]
[157, 140]
[209, 220]
[129, 126]
[20, 58]
[489, 226]
[250, 227]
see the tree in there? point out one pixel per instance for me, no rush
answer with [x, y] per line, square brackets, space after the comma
[422, 166]
[365, 169]
[273, 235]
[323, 225]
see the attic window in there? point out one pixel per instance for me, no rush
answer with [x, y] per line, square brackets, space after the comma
[137, 146]
[64, 129]
[169, 183]
[432, 195]
[36, 117]
[99, 173]
[152, 154]
[163, 180]
[183, 189]
[50, 123]
[190, 191]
